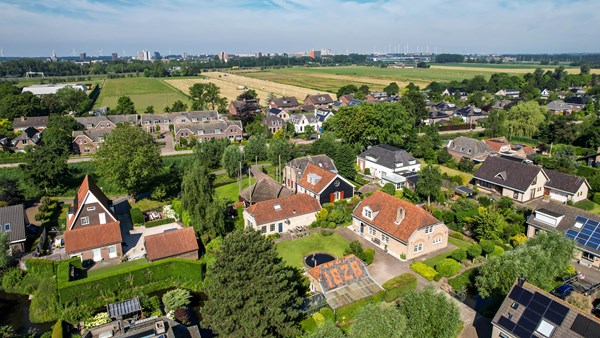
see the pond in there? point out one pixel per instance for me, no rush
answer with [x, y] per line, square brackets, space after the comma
[15, 312]
[318, 258]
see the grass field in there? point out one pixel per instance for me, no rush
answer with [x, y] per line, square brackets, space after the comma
[293, 251]
[231, 191]
[143, 91]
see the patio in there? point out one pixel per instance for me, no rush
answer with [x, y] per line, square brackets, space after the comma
[134, 239]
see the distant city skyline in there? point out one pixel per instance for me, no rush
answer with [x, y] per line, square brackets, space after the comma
[71, 27]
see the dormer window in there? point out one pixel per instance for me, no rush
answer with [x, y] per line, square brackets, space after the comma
[501, 175]
[218, 131]
[277, 207]
[194, 120]
[368, 213]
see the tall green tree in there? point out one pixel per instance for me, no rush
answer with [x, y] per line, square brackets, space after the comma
[5, 258]
[525, 119]
[392, 89]
[487, 224]
[233, 160]
[347, 89]
[177, 106]
[495, 124]
[325, 144]
[416, 106]
[129, 158]
[345, 161]
[430, 314]
[329, 330]
[10, 192]
[280, 152]
[72, 99]
[378, 321]
[256, 148]
[124, 106]
[207, 96]
[211, 151]
[541, 260]
[251, 293]
[59, 132]
[46, 168]
[429, 183]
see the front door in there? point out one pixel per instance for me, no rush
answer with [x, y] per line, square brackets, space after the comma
[280, 227]
[362, 228]
[97, 255]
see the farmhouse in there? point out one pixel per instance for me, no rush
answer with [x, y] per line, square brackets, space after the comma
[574, 223]
[281, 215]
[402, 229]
[382, 161]
[181, 243]
[13, 222]
[93, 230]
[324, 185]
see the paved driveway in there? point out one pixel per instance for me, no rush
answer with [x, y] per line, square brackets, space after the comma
[134, 240]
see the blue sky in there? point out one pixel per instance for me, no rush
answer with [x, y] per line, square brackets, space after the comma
[36, 27]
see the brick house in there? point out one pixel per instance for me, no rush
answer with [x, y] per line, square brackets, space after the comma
[236, 107]
[402, 229]
[294, 169]
[319, 101]
[281, 215]
[324, 185]
[29, 137]
[180, 243]
[470, 148]
[163, 122]
[209, 130]
[88, 141]
[106, 122]
[93, 230]
[274, 123]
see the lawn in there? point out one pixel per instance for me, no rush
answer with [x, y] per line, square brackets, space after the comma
[459, 243]
[293, 251]
[118, 267]
[143, 91]
[147, 204]
[436, 259]
[231, 191]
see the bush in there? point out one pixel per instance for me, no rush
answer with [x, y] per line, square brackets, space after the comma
[474, 251]
[518, 239]
[328, 314]
[459, 255]
[487, 246]
[40, 267]
[457, 235]
[137, 217]
[158, 222]
[424, 270]
[57, 330]
[463, 281]
[399, 285]
[11, 280]
[44, 304]
[326, 232]
[437, 277]
[356, 248]
[318, 318]
[389, 189]
[308, 325]
[274, 236]
[99, 319]
[596, 198]
[369, 255]
[485, 201]
[176, 299]
[498, 251]
[448, 267]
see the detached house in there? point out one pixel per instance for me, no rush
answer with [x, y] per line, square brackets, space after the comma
[29, 137]
[324, 185]
[563, 187]
[402, 229]
[319, 101]
[13, 223]
[88, 141]
[274, 123]
[238, 107]
[520, 181]
[302, 121]
[287, 103]
[282, 114]
[452, 91]
[93, 230]
[281, 214]
[509, 92]
[294, 169]
[578, 225]
[470, 148]
[24, 122]
[385, 162]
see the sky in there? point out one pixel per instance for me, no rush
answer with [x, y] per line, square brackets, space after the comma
[102, 27]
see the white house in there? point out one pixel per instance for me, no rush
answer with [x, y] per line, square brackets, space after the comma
[384, 160]
[281, 215]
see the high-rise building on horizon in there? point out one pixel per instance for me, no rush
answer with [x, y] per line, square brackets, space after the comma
[114, 56]
[82, 56]
[315, 54]
[143, 55]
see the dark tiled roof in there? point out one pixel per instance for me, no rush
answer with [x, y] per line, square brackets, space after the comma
[322, 161]
[15, 216]
[286, 102]
[93, 134]
[319, 99]
[290, 206]
[32, 121]
[170, 243]
[264, 190]
[208, 127]
[385, 219]
[511, 174]
[564, 182]
[388, 156]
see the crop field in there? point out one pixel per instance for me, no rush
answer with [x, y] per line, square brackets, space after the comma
[143, 91]
[230, 85]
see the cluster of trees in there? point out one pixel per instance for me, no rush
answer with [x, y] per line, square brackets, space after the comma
[343, 154]
[207, 96]
[361, 92]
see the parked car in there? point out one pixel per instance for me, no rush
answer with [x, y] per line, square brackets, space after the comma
[563, 291]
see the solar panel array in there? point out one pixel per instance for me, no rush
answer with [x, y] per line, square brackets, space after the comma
[588, 235]
[537, 306]
[585, 326]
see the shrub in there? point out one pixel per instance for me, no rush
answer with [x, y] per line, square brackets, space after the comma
[518, 239]
[463, 281]
[367, 171]
[424, 270]
[448, 267]
[274, 236]
[498, 251]
[437, 277]
[579, 301]
[12, 279]
[150, 304]
[328, 314]
[137, 217]
[474, 251]
[318, 318]
[356, 248]
[399, 285]
[485, 201]
[487, 246]
[41, 267]
[457, 235]
[44, 304]
[459, 255]
[176, 299]
[596, 198]
[57, 330]
[369, 255]
[389, 189]
[99, 319]
[158, 222]
[308, 325]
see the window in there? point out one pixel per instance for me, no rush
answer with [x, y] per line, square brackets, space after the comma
[272, 227]
[367, 213]
[112, 251]
[429, 229]
[534, 181]
[588, 256]
[545, 328]
[385, 238]
[250, 225]
[263, 229]
[516, 195]
[418, 247]
[7, 227]
[85, 220]
[91, 208]
[437, 240]
[372, 231]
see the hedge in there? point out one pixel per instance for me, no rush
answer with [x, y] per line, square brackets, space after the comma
[463, 281]
[399, 285]
[41, 267]
[137, 217]
[424, 270]
[448, 267]
[369, 255]
[348, 312]
[101, 289]
[158, 222]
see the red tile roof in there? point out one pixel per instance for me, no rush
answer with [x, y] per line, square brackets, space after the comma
[91, 237]
[385, 219]
[495, 144]
[326, 178]
[290, 206]
[339, 272]
[86, 186]
[170, 243]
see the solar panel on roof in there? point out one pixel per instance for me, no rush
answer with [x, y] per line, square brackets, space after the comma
[581, 325]
[580, 219]
[516, 292]
[525, 297]
[571, 234]
[537, 307]
[592, 222]
[538, 297]
[521, 332]
[558, 308]
[554, 317]
[507, 323]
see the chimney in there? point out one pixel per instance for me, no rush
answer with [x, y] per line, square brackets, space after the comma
[400, 213]
[22, 118]
[521, 280]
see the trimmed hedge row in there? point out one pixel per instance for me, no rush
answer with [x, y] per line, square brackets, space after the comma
[101, 289]
[399, 285]
[158, 222]
[41, 267]
[424, 270]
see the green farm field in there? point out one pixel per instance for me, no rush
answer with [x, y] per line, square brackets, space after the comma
[143, 91]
